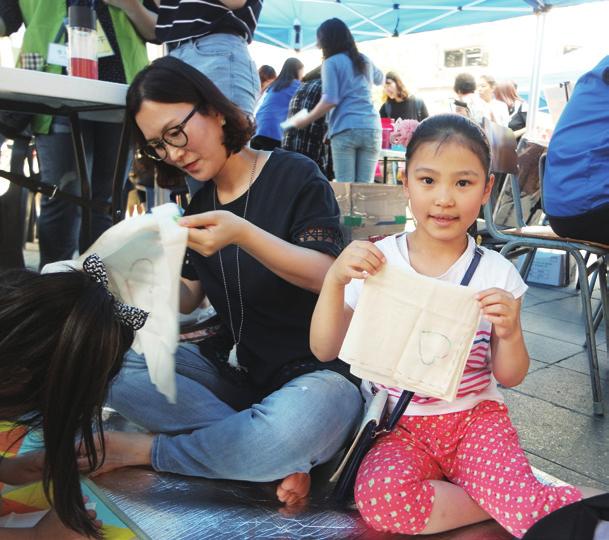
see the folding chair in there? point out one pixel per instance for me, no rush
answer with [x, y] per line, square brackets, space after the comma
[532, 237]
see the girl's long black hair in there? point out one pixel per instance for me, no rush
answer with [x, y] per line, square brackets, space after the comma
[287, 75]
[333, 37]
[60, 346]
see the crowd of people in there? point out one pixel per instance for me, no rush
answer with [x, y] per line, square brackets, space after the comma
[273, 264]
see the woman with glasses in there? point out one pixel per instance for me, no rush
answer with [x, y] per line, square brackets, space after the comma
[263, 230]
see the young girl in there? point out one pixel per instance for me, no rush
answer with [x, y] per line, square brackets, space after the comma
[446, 464]
[62, 339]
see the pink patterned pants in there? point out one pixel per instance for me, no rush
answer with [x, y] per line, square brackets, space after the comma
[477, 450]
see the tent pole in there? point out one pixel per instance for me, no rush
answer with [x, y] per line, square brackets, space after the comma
[535, 88]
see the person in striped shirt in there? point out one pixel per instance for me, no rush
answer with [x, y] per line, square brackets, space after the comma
[446, 464]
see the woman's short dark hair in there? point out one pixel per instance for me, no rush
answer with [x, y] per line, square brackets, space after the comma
[266, 73]
[169, 80]
[60, 346]
[287, 75]
[444, 128]
[464, 84]
[333, 37]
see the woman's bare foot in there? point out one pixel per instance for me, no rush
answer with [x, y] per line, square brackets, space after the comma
[122, 450]
[294, 488]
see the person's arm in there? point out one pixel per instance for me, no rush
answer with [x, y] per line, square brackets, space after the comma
[234, 4]
[300, 266]
[332, 315]
[510, 359]
[22, 469]
[10, 17]
[378, 77]
[142, 19]
[424, 112]
[321, 109]
[383, 111]
[191, 295]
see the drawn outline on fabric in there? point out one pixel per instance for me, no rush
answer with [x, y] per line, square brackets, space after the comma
[433, 346]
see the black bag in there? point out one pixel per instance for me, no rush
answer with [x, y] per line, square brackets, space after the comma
[14, 125]
[578, 520]
[372, 425]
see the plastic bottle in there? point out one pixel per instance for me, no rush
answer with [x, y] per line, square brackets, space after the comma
[82, 39]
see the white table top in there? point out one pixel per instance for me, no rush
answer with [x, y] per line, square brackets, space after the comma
[392, 154]
[53, 90]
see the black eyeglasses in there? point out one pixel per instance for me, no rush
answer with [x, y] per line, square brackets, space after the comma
[175, 136]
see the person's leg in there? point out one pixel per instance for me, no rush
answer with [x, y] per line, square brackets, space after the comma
[400, 485]
[592, 226]
[492, 468]
[59, 220]
[301, 425]
[369, 146]
[106, 138]
[344, 156]
[392, 488]
[203, 396]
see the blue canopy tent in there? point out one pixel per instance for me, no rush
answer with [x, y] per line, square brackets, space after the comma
[292, 24]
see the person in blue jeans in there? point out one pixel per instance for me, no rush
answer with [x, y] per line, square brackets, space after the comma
[268, 409]
[275, 104]
[354, 125]
[127, 24]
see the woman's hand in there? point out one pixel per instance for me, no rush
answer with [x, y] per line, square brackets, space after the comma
[358, 260]
[502, 310]
[22, 469]
[209, 232]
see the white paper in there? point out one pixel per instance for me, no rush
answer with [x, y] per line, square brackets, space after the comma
[286, 124]
[412, 332]
[143, 257]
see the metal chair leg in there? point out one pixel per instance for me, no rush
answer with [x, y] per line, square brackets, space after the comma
[590, 337]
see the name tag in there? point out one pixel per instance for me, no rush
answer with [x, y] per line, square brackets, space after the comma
[103, 44]
[57, 54]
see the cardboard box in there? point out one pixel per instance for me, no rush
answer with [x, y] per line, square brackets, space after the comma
[342, 192]
[550, 267]
[378, 204]
[369, 210]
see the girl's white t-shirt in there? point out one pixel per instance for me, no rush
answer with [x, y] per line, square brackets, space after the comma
[478, 383]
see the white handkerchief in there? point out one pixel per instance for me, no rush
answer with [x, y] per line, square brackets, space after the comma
[143, 257]
[412, 332]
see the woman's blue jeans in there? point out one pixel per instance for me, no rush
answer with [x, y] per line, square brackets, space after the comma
[216, 430]
[355, 153]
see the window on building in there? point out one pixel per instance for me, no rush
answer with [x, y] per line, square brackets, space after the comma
[465, 57]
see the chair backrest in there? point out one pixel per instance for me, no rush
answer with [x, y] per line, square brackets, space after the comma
[503, 147]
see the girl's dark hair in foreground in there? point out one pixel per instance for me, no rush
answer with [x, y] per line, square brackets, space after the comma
[60, 346]
[169, 80]
[443, 128]
[333, 37]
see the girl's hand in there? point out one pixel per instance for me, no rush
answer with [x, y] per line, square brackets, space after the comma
[502, 310]
[22, 469]
[211, 231]
[50, 526]
[358, 260]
